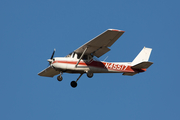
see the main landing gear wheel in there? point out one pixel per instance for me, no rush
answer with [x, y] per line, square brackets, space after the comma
[89, 74]
[59, 78]
[73, 84]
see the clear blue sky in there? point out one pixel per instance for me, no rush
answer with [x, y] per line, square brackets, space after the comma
[31, 29]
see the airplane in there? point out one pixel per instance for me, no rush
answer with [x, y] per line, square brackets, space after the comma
[83, 61]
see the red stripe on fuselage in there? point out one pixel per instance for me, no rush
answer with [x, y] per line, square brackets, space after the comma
[103, 65]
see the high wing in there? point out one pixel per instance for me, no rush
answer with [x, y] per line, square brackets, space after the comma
[98, 46]
[48, 72]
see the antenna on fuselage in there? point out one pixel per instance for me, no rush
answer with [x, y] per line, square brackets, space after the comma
[105, 58]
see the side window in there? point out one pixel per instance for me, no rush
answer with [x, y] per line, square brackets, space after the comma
[89, 57]
[78, 56]
[85, 57]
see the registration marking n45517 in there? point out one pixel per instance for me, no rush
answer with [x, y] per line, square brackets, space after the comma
[114, 66]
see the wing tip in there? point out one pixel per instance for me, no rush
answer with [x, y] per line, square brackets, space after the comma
[116, 30]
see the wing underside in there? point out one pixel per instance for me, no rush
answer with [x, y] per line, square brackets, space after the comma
[98, 46]
[48, 72]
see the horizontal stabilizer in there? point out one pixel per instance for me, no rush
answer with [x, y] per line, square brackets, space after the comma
[48, 72]
[142, 65]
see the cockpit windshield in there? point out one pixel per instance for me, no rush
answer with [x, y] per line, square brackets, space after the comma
[77, 56]
[69, 55]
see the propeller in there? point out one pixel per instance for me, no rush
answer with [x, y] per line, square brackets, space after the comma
[53, 54]
[51, 59]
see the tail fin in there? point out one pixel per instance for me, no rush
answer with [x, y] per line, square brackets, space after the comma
[140, 63]
[143, 56]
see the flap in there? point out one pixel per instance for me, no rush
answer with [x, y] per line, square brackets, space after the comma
[101, 51]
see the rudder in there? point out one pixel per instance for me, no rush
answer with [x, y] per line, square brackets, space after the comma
[143, 56]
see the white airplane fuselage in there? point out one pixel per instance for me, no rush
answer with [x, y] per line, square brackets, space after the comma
[65, 64]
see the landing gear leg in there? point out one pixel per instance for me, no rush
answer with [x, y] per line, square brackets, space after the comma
[74, 83]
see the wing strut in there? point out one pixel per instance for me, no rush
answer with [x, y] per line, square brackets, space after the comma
[81, 56]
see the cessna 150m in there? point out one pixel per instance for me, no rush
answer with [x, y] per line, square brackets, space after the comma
[82, 61]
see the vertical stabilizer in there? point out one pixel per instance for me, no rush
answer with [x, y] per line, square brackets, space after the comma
[143, 56]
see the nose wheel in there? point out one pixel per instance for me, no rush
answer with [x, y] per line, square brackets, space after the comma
[60, 78]
[74, 83]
